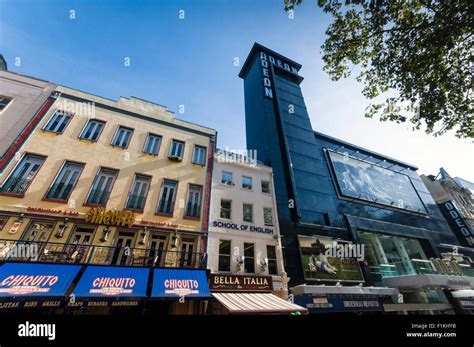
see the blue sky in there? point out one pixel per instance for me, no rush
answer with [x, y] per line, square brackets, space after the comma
[190, 62]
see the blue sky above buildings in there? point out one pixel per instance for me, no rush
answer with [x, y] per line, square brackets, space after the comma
[191, 62]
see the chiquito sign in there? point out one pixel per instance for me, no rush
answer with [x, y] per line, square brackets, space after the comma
[265, 60]
[99, 215]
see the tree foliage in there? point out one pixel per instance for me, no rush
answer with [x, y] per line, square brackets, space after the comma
[420, 49]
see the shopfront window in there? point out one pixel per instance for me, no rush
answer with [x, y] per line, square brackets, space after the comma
[390, 256]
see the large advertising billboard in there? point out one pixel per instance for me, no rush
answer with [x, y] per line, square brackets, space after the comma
[318, 266]
[358, 179]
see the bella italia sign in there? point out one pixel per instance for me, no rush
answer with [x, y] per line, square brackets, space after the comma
[98, 215]
[240, 283]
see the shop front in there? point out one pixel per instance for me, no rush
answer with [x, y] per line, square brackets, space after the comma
[184, 291]
[35, 287]
[251, 295]
[106, 289]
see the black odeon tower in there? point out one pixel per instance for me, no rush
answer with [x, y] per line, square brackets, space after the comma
[328, 189]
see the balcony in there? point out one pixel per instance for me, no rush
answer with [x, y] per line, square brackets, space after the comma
[136, 202]
[16, 185]
[98, 197]
[55, 252]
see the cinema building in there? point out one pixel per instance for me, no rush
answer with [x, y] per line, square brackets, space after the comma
[102, 194]
[330, 193]
[244, 247]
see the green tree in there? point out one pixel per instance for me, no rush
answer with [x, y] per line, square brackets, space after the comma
[420, 49]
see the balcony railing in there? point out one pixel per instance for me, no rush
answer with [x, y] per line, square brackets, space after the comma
[16, 185]
[98, 197]
[136, 202]
[67, 253]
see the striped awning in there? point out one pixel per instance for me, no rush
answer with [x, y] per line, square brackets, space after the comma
[256, 303]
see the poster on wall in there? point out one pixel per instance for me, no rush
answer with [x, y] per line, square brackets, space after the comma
[318, 266]
[361, 180]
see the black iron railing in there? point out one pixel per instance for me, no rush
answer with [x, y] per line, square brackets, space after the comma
[16, 185]
[55, 252]
[98, 197]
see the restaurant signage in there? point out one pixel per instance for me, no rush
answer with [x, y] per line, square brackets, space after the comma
[27, 279]
[177, 283]
[99, 215]
[51, 211]
[240, 283]
[104, 281]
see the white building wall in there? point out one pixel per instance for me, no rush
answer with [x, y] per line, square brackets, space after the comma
[238, 196]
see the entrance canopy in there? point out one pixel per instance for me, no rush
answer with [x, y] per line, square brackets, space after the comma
[256, 303]
[36, 280]
[112, 282]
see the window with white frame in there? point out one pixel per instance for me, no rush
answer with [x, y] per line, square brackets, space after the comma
[226, 209]
[92, 130]
[152, 144]
[122, 137]
[247, 182]
[65, 181]
[193, 207]
[247, 210]
[199, 155]
[58, 122]
[268, 216]
[227, 178]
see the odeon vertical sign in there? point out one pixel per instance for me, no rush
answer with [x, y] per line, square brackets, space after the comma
[265, 60]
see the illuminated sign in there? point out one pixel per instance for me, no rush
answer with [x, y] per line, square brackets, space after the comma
[14, 228]
[177, 283]
[319, 265]
[99, 215]
[243, 227]
[18, 279]
[237, 283]
[104, 281]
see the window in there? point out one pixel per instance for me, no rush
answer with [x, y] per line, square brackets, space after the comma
[193, 207]
[23, 174]
[167, 197]
[246, 182]
[3, 221]
[176, 150]
[92, 130]
[102, 186]
[247, 210]
[4, 101]
[152, 144]
[138, 192]
[249, 255]
[272, 260]
[58, 122]
[65, 181]
[199, 156]
[227, 178]
[266, 187]
[224, 255]
[267, 216]
[226, 208]
[122, 137]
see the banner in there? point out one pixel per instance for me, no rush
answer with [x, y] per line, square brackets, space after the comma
[177, 283]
